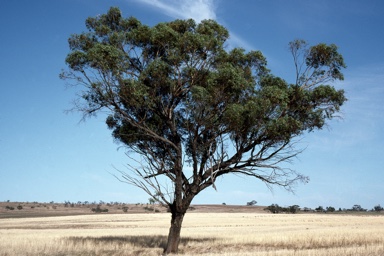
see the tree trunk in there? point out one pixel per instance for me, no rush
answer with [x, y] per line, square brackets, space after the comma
[174, 233]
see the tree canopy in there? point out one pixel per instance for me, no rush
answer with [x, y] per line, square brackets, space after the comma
[195, 110]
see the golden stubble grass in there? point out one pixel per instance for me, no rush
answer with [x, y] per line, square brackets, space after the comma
[202, 234]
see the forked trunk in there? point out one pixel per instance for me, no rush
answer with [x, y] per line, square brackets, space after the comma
[174, 233]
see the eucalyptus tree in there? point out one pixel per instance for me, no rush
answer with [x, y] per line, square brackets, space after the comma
[194, 110]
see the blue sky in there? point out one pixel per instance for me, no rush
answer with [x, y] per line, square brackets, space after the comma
[47, 155]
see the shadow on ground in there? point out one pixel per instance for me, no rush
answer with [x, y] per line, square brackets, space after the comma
[138, 241]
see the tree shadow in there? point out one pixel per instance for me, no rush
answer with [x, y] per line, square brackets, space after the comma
[156, 241]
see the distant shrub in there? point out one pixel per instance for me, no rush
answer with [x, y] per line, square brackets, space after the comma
[9, 208]
[149, 209]
[151, 201]
[294, 208]
[19, 207]
[273, 208]
[357, 208]
[125, 209]
[378, 208]
[99, 210]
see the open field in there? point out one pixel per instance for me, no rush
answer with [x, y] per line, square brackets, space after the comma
[241, 233]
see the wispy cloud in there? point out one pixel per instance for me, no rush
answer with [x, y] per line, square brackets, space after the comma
[195, 9]
[237, 41]
[185, 9]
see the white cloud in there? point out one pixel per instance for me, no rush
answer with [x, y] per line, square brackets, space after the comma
[195, 9]
[185, 9]
[236, 41]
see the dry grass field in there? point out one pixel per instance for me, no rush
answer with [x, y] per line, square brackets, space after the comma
[218, 233]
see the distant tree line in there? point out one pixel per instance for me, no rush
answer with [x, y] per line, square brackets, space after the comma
[275, 208]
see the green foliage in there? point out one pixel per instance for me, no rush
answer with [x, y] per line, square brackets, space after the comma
[316, 64]
[177, 75]
[326, 55]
